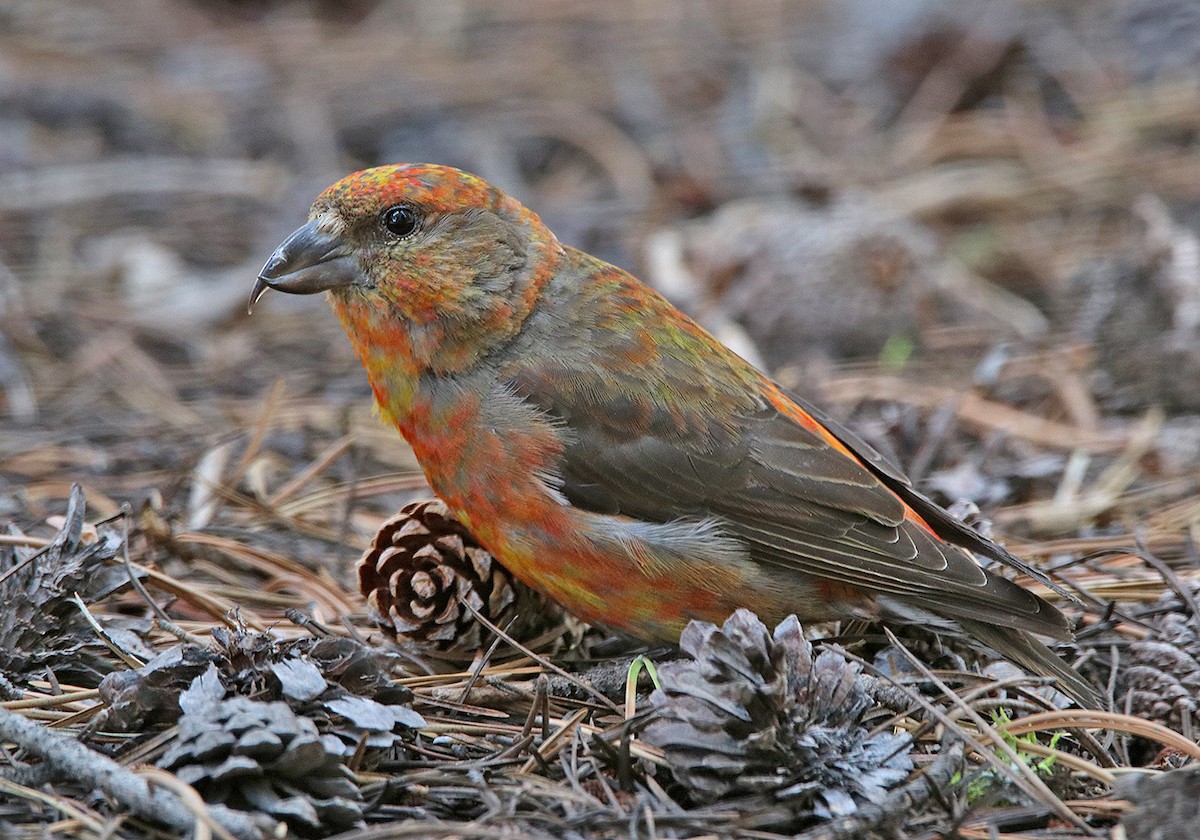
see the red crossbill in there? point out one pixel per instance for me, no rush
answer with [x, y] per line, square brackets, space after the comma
[613, 454]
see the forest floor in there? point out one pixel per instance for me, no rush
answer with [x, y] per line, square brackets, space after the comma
[972, 238]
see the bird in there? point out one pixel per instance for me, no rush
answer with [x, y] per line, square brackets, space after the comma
[611, 453]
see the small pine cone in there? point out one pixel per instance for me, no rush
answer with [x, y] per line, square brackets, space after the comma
[254, 756]
[1160, 675]
[757, 718]
[1168, 804]
[40, 625]
[420, 568]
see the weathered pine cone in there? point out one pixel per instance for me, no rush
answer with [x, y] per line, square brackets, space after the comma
[1168, 804]
[1160, 675]
[254, 756]
[40, 624]
[424, 564]
[758, 723]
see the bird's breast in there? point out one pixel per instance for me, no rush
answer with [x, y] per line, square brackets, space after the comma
[495, 460]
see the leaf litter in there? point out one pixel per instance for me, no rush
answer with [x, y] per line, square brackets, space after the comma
[186, 492]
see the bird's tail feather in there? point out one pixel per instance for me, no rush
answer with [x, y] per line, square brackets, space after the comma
[1026, 651]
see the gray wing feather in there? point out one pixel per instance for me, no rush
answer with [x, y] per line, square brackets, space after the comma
[797, 502]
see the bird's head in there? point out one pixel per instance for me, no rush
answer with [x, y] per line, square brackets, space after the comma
[434, 253]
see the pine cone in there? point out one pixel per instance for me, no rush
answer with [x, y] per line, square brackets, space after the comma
[1160, 675]
[251, 663]
[756, 716]
[40, 625]
[1168, 805]
[254, 756]
[423, 564]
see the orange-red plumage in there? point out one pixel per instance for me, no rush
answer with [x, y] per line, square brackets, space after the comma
[608, 450]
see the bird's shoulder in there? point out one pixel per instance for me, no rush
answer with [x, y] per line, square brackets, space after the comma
[662, 420]
[605, 349]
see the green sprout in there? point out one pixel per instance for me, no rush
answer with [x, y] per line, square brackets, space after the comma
[984, 782]
[631, 679]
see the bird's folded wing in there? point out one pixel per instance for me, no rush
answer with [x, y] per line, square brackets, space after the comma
[941, 520]
[796, 501]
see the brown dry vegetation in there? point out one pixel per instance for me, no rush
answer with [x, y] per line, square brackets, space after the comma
[968, 231]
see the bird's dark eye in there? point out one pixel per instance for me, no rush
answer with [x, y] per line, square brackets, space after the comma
[400, 220]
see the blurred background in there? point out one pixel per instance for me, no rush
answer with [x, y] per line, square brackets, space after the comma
[969, 229]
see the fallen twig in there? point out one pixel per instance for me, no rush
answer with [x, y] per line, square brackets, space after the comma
[71, 759]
